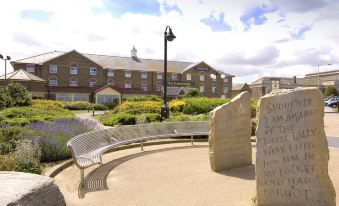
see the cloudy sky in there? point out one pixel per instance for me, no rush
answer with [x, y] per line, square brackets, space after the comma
[246, 38]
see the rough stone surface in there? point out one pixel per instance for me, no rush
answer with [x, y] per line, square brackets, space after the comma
[292, 151]
[230, 134]
[18, 188]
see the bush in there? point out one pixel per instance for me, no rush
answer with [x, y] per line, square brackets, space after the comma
[148, 117]
[185, 117]
[14, 94]
[48, 105]
[29, 167]
[138, 107]
[192, 92]
[112, 105]
[176, 105]
[144, 98]
[7, 162]
[82, 105]
[9, 137]
[21, 116]
[202, 105]
[119, 119]
[52, 137]
[331, 91]
[254, 104]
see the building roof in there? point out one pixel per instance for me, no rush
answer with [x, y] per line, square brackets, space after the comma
[116, 62]
[22, 75]
[331, 72]
[238, 86]
[283, 80]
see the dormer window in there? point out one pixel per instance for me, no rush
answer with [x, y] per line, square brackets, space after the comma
[92, 71]
[73, 69]
[30, 68]
[92, 83]
[128, 74]
[159, 75]
[110, 72]
[144, 75]
[174, 76]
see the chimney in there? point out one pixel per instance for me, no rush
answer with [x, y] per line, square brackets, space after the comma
[134, 53]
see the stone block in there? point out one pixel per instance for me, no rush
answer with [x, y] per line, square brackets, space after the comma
[230, 134]
[292, 151]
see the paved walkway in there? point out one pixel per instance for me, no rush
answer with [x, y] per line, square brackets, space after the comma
[88, 115]
[167, 175]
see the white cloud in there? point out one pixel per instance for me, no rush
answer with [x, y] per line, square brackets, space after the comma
[266, 49]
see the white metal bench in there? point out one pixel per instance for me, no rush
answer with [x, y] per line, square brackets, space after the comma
[88, 148]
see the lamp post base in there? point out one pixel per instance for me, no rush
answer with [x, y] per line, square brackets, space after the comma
[164, 111]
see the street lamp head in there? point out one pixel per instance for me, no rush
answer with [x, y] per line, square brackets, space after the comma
[169, 35]
[8, 58]
[1, 57]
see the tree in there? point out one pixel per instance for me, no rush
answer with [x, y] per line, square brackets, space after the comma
[14, 94]
[192, 92]
[331, 91]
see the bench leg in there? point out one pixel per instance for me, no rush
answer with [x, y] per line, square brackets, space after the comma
[82, 178]
[142, 145]
[192, 140]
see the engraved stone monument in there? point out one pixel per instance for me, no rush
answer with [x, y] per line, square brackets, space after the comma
[230, 134]
[292, 151]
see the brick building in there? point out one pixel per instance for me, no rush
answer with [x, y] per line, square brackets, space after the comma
[74, 76]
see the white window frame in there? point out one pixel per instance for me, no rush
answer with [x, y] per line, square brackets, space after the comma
[225, 79]
[188, 76]
[128, 85]
[93, 71]
[225, 89]
[214, 88]
[80, 97]
[144, 75]
[64, 97]
[202, 88]
[128, 74]
[174, 76]
[92, 83]
[144, 86]
[73, 70]
[159, 86]
[110, 82]
[202, 76]
[159, 75]
[30, 68]
[73, 83]
[55, 82]
[110, 72]
[53, 69]
[106, 98]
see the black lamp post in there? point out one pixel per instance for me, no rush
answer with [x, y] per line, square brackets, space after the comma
[168, 36]
[7, 58]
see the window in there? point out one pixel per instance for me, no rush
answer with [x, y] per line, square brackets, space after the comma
[202, 76]
[275, 84]
[202, 88]
[159, 75]
[106, 98]
[188, 77]
[128, 74]
[214, 88]
[73, 70]
[80, 97]
[73, 83]
[52, 82]
[93, 71]
[174, 76]
[225, 79]
[92, 83]
[214, 78]
[144, 75]
[144, 86]
[110, 72]
[64, 97]
[159, 86]
[30, 67]
[53, 69]
[110, 82]
[128, 85]
[225, 88]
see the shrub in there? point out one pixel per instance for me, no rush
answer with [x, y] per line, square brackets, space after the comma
[7, 162]
[176, 105]
[52, 137]
[14, 94]
[331, 91]
[48, 105]
[112, 105]
[23, 115]
[119, 119]
[193, 92]
[9, 137]
[201, 105]
[148, 117]
[144, 98]
[82, 105]
[254, 104]
[185, 117]
[139, 107]
[32, 166]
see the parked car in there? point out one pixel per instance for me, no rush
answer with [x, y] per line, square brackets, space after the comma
[331, 99]
[333, 103]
